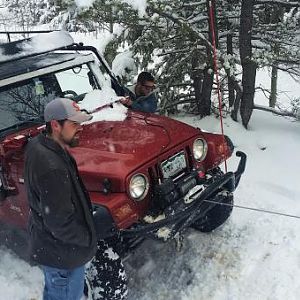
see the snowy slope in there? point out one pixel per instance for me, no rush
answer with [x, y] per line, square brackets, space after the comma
[253, 256]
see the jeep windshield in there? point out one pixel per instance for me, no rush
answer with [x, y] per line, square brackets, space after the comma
[22, 103]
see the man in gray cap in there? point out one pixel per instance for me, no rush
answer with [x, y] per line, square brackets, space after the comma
[61, 226]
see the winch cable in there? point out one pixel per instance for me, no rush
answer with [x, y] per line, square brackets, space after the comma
[254, 209]
[215, 63]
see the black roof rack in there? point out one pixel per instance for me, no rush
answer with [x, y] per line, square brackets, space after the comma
[30, 64]
[36, 45]
[23, 32]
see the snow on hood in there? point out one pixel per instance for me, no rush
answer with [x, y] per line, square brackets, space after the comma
[101, 99]
[39, 44]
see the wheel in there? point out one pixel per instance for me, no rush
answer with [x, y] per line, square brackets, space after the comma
[216, 216]
[105, 275]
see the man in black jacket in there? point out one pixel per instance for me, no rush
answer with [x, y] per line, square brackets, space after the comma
[61, 226]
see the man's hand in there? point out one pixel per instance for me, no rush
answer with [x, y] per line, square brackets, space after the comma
[126, 101]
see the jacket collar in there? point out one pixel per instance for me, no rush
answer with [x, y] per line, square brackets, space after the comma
[51, 144]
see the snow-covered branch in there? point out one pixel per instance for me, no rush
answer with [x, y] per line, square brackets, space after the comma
[180, 21]
[279, 2]
[284, 113]
[194, 4]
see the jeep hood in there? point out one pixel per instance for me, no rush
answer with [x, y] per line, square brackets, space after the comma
[120, 147]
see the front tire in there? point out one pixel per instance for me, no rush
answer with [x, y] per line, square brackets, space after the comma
[216, 216]
[105, 275]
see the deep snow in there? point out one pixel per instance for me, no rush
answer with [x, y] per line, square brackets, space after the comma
[254, 255]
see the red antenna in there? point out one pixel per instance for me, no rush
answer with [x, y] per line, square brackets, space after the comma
[216, 71]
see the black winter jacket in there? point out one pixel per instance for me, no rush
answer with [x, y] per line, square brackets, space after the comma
[61, 226]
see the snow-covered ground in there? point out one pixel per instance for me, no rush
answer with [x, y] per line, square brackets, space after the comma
[254, 255]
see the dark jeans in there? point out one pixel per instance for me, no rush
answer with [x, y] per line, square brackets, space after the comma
[62, 284]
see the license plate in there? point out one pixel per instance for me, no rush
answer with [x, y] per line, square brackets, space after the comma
[173, 165]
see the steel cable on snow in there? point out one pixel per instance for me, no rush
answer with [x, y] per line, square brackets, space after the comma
[254, 209]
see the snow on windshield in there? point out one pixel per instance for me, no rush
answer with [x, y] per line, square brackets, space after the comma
[39, 44]
[98, 101]
[104, 105]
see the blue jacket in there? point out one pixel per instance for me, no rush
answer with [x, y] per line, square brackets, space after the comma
[143, 103]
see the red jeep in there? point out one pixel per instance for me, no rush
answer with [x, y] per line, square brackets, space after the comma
[147, 175]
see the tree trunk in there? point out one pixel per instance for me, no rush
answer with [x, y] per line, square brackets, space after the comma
[206, 93]
[229, 44]
[237, 100]
[274, 76]
[197, 78]
[231, 93]
[273, 95]
[248, 65]
[207, 82]
[111, 23]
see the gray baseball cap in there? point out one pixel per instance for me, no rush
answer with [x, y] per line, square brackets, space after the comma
[65, 109]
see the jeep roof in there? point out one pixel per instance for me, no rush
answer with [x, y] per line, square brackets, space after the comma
[12, 71]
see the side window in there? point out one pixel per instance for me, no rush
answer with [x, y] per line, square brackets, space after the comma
[26, 100]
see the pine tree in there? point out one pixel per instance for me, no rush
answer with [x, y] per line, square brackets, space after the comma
[29, 13]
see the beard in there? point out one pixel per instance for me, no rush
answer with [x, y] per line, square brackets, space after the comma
[74, 142]
[71, 142]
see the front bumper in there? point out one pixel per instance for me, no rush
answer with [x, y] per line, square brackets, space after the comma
[180, 215]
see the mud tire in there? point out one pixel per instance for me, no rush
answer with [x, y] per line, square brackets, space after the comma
[215, 217]
[105, 276]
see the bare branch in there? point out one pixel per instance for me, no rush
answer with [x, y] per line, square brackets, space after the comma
[284, 113]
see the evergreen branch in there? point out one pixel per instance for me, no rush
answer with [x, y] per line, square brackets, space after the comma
[279, 2]
[174, 52]
[180, 21]
[193, 4]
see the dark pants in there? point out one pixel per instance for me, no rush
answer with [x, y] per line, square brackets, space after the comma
[63, 284]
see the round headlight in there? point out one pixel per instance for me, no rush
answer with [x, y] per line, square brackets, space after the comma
[138, 186]
[199, 149]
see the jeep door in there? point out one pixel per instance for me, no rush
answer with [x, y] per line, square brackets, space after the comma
[21, 107]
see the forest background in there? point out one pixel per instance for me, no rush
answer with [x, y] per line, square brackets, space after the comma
[184, 43]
